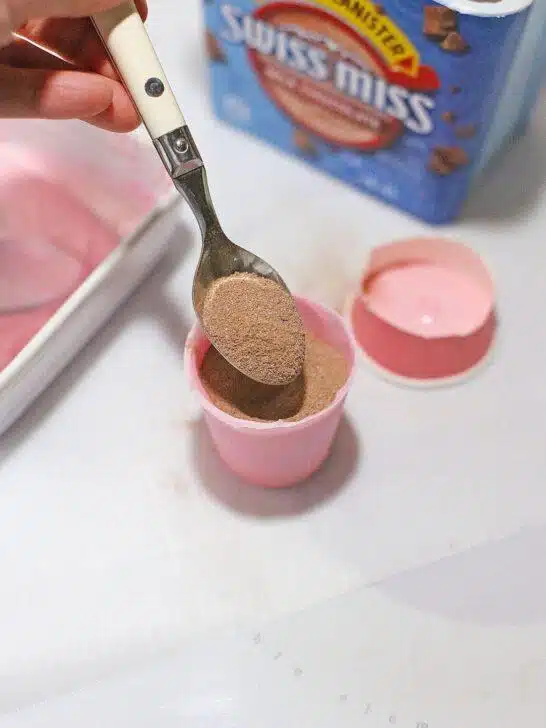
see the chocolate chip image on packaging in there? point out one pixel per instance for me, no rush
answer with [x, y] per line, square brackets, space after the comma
[304, 143]
[445, 160]
[213, 48]
[332, 81]
[439, 22]
[449, 117]
[455, 43]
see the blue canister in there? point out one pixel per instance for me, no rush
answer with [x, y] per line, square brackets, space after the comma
[522, 86]
[404, 99]
[536, 42]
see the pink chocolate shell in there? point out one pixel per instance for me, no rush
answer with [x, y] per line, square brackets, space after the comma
[425, 311]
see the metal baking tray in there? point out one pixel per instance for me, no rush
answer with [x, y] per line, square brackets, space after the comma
[124, 168]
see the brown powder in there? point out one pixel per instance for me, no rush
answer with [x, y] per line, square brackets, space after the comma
[325, 371]
[254, 323]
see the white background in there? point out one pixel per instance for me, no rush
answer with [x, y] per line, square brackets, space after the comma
[457, 643]
[121, 536]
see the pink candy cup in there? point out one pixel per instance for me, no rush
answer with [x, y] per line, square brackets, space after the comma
[425, 312]
[275, 454]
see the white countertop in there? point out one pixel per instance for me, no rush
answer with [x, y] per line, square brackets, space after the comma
[457, 643]
[121, 535]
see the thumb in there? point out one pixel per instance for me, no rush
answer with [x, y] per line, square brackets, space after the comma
[33, 93]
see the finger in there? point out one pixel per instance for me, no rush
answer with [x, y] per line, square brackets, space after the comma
[119, 117]
[75, 39]
[54, 94]
[24, 54]
[21, 12]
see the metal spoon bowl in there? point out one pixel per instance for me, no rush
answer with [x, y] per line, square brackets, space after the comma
[220, 256]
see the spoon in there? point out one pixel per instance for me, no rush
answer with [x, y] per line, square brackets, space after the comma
[127, 41]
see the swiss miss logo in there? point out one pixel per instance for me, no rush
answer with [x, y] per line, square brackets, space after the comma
[339, 68]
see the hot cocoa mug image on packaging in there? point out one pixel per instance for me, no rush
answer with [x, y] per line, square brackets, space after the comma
[281, 453]
[404, 99]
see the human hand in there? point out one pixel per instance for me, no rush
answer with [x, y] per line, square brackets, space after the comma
[79, 82]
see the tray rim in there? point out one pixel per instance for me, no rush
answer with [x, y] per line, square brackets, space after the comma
[16, 369]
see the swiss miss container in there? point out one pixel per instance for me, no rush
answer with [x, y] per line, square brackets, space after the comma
[407, 100]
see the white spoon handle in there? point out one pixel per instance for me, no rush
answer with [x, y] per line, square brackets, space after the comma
[131, 49]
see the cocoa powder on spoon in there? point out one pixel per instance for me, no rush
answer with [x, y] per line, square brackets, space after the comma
[256, 326]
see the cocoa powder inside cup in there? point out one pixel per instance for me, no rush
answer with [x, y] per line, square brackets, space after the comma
[325, 371]
[254, 323]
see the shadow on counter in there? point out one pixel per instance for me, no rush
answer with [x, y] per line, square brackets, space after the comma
[500, 583]
[259, 502]
[511, 185]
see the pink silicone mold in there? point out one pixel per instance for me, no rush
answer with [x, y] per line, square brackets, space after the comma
[425, 311]
[275, 454]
